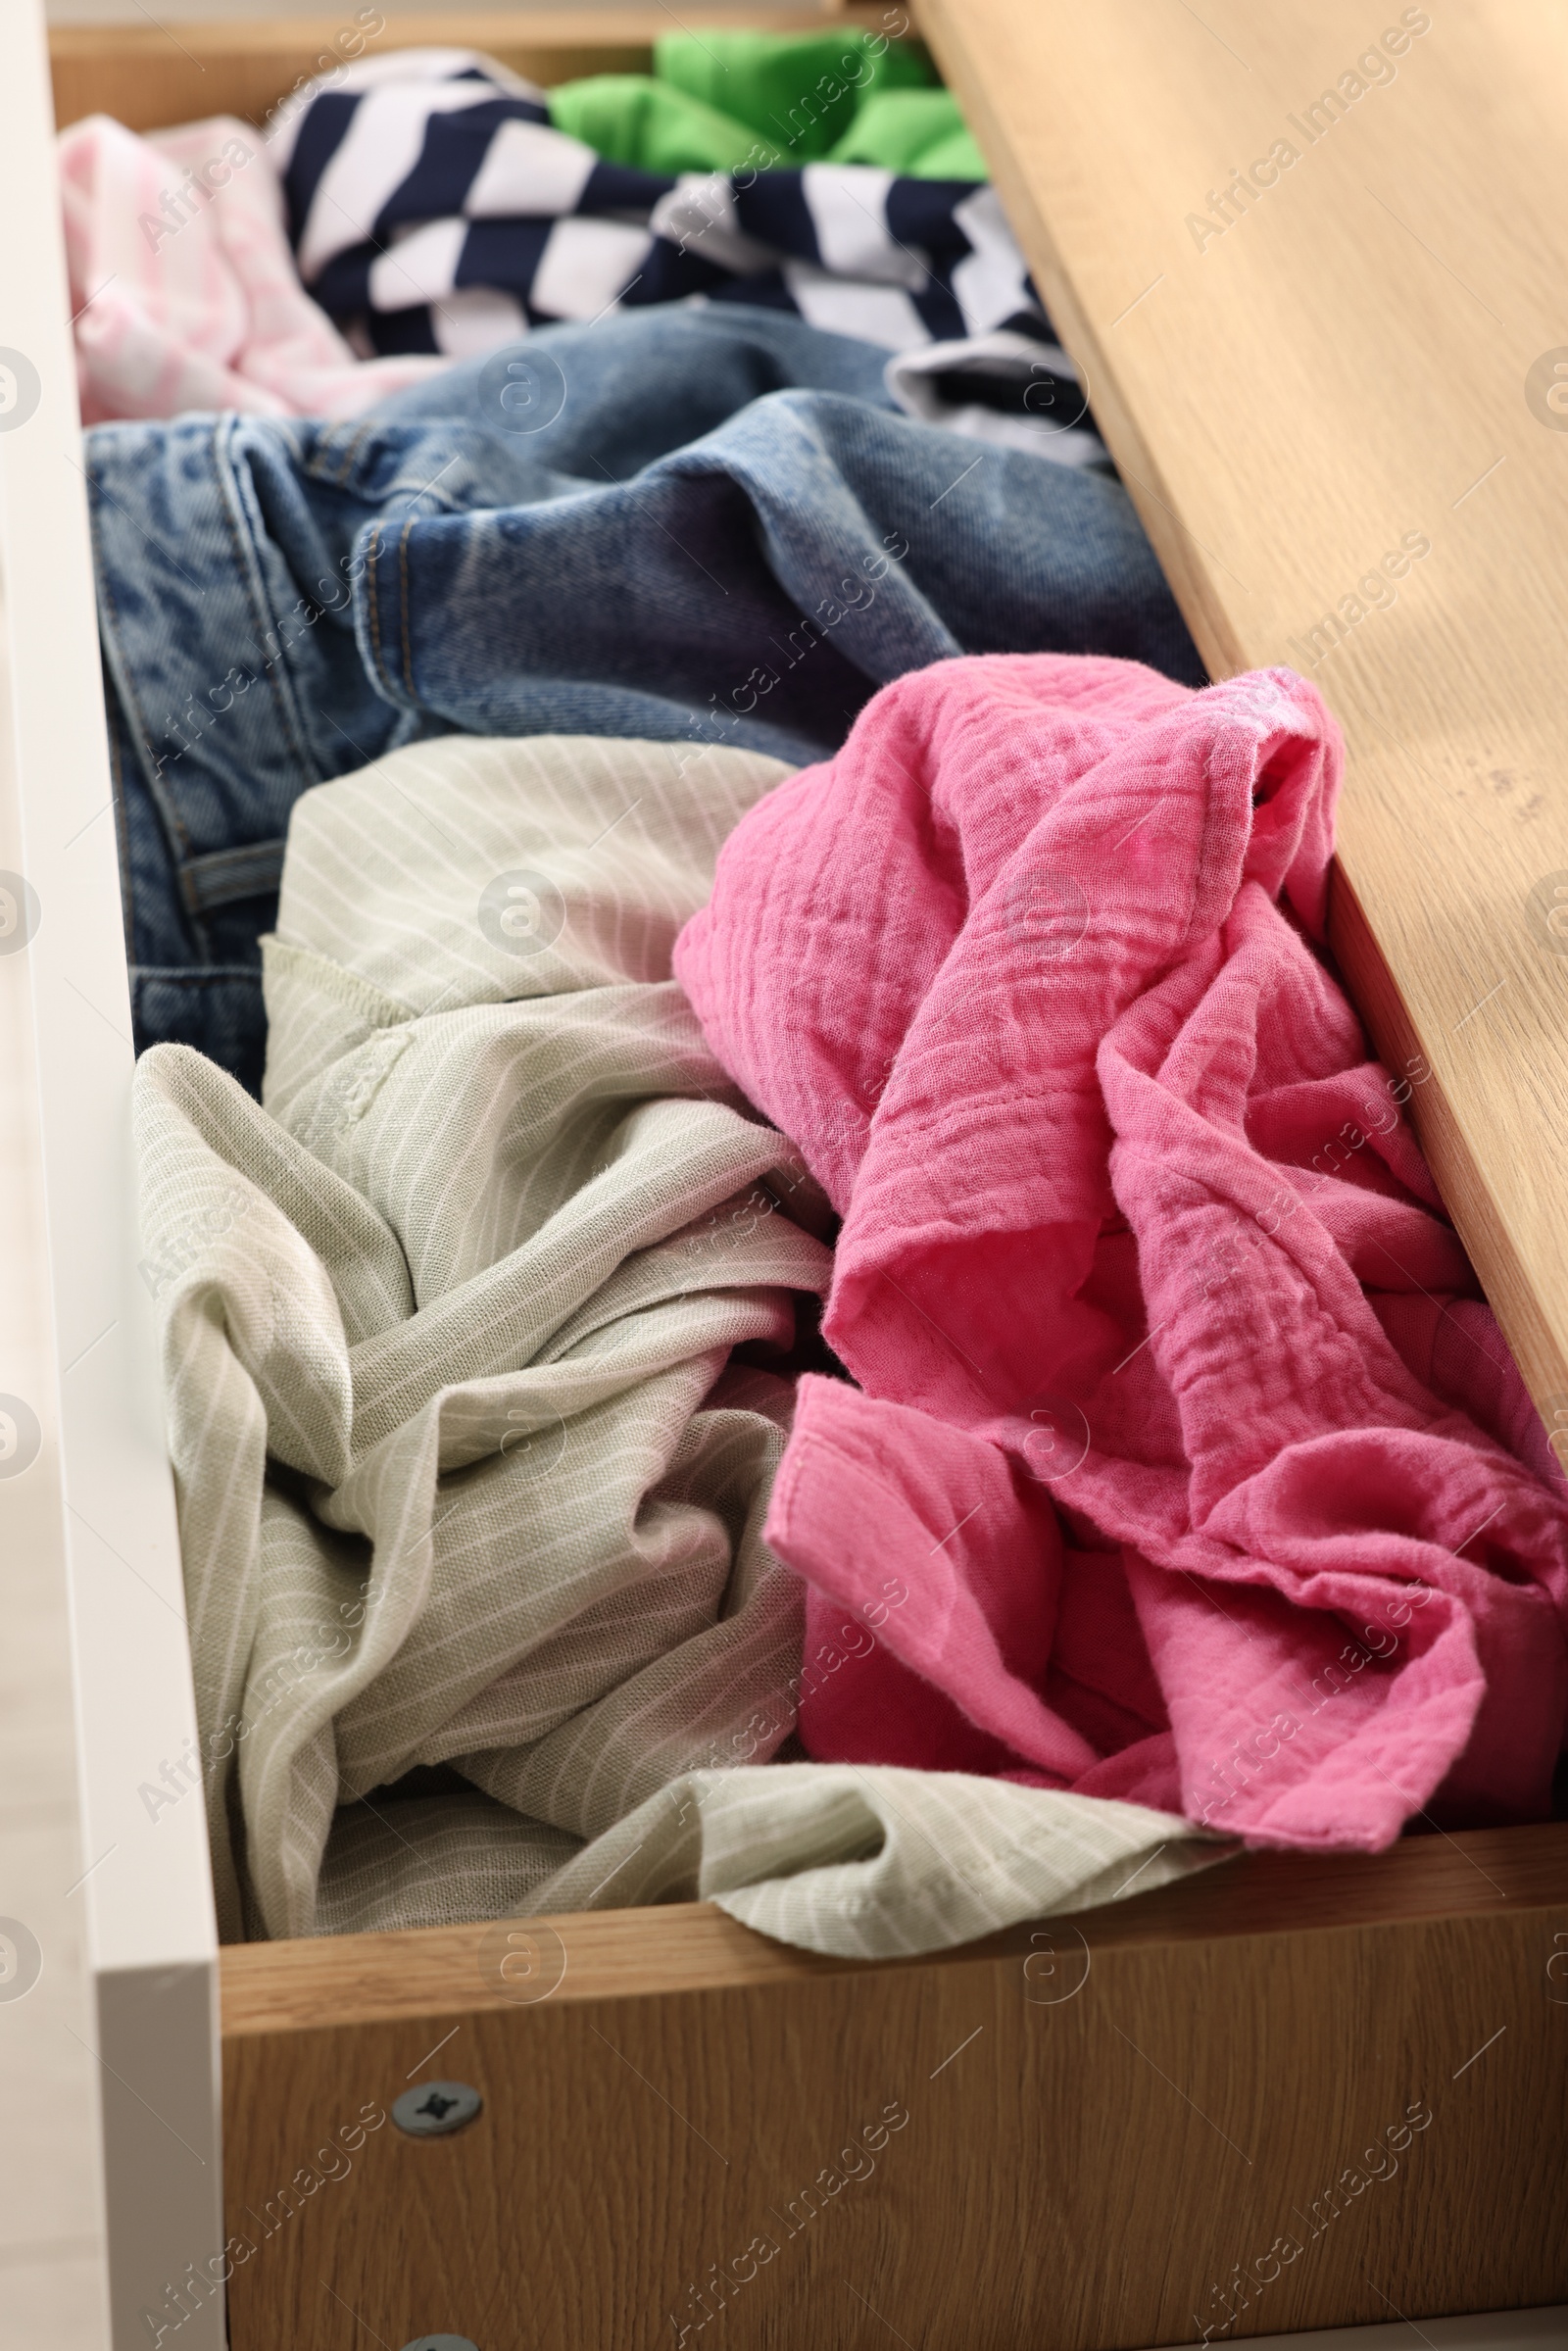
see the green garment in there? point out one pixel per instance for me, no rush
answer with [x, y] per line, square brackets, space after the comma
[468, 1339]
[799, 90]
[919, 134]
[632, 119]
[747, 101]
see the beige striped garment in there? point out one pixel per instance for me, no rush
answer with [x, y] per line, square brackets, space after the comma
[470, 1473]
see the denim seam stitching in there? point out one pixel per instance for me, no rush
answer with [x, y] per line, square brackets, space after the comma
[196, 976]
[165, 807]
[272, 669]
[190, 881]
[372, 555]
[402, 612]
[350, 454]
[117, 794]
[342, 453]
[168, 814]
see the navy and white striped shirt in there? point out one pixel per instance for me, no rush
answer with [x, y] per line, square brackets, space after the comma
[433, 207]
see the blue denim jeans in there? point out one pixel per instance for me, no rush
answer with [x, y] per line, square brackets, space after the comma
[689, 524]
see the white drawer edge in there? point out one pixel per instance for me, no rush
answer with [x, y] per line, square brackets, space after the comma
[109, 1563]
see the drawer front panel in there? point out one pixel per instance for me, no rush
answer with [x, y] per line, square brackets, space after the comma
[1225, 2106]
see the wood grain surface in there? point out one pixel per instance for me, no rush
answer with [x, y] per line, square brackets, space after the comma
[149, 75]
[694, 1946]
[1299, 380]
[1342, 2079]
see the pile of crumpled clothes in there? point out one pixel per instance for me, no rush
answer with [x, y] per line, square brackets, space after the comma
[1156, 1473]
[481, 1342]
[427, 205]
[783, 1272]
[1211, 1478]
[718, 528]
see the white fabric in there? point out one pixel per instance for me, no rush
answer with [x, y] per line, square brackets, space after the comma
[845, 306]
[849, 208]
[993, 284]
[528, 167]
[918, 381]
[474, 321]
[420, 267]
[701, 213]
[586, 265]
[379, 149]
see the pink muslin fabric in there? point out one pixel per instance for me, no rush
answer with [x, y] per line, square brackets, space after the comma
[1179, 1417]
[184, 288]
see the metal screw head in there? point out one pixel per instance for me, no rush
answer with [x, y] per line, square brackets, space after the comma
[441, 2342]
[434, 2109]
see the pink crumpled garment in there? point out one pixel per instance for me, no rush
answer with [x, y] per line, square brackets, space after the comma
[205, 312]
[1209, 1477]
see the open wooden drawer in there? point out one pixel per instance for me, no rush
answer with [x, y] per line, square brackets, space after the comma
[1155, 2122]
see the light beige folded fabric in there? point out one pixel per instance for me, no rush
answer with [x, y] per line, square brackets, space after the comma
[864, 1864]
[470, 1472]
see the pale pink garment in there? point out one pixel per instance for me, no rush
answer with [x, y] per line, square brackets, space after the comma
[198, 306]
[1192, 1455]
